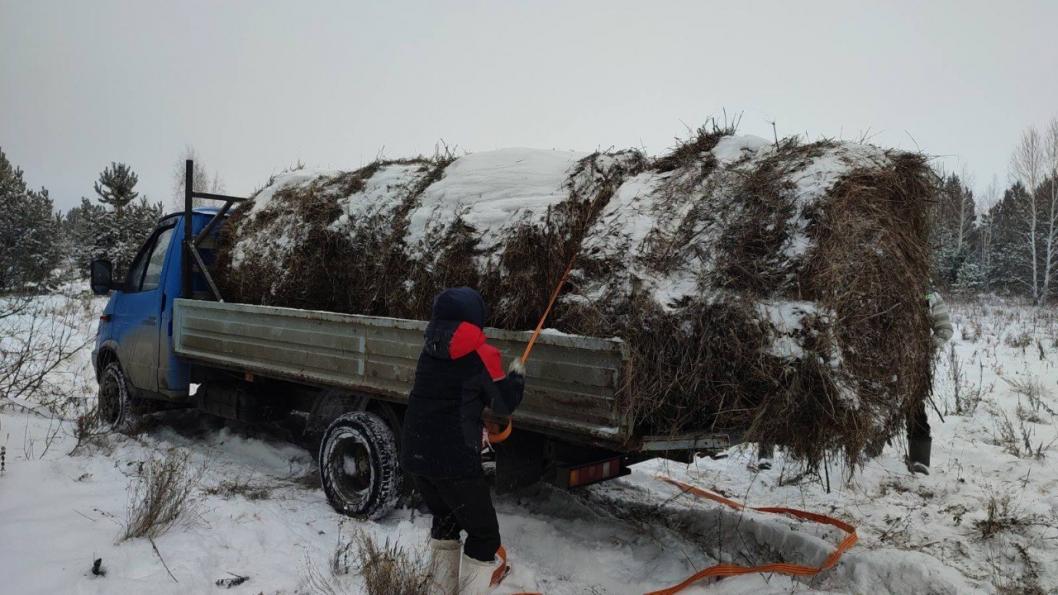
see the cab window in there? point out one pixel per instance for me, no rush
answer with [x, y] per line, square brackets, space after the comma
[145, 273]
[153, 275]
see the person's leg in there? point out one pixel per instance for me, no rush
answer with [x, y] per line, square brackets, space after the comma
[444, 542]
[445, 524]
[765, 453]
[919, 442]
[470, 501]
[918, 423]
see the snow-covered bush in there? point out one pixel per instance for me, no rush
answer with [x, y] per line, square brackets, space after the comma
[38, 336]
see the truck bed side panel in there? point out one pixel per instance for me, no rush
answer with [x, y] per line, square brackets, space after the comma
[571, 381]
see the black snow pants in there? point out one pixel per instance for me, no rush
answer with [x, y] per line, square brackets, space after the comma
[462, 505]
[918, 423]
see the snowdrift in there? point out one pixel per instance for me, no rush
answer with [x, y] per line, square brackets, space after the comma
[772, 288]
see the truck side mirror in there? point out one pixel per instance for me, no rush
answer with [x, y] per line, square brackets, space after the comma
[102, 274]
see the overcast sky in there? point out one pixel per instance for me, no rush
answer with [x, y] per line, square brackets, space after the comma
[256, 86]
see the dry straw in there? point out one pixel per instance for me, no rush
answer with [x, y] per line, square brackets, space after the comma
[704, 362]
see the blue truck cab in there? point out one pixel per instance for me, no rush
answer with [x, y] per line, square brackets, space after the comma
[135, 334]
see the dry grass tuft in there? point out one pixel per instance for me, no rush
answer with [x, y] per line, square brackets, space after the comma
[695, 151]
[244, 487]
[1002, 515]
[389, 569]
[160, 494]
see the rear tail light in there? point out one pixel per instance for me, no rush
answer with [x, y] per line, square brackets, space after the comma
[590, 473]
[104, 318]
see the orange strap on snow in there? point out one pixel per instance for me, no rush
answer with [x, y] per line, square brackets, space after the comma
[500, 436]
[722, 570]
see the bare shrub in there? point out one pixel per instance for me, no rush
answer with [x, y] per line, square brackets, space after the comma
[343, 558]
[238, 486]
[1027, 582]
[38, 335]
[1026, 414]
[966, 395]
[1018, 340]
[386, 569]
[1020, 440]
[317, 581]
[1033, 390]
[89, 427]
[390, 569]
[159, 495]
[1002, 515]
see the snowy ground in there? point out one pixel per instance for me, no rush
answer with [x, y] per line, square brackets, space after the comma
[985, 520]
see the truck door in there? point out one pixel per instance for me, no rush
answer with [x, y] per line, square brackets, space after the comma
[137, 316]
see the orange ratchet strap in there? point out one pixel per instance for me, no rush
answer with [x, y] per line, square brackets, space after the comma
[722, 570]
[496, 435]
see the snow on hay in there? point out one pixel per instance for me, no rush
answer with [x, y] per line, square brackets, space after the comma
[772, 288]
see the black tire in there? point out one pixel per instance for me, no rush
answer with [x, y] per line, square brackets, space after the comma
[358, 466]
[115, 404]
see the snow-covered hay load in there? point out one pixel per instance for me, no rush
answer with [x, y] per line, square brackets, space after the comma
[773, 288]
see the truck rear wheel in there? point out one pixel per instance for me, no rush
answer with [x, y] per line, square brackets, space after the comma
[115, 404]
[358, 465]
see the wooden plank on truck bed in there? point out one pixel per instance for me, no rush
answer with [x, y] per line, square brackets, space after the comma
[571, 381]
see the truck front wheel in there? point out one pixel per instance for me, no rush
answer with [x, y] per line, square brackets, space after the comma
[115, 404]
[358, 465]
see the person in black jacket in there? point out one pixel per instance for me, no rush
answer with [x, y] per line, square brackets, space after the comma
[458, 375]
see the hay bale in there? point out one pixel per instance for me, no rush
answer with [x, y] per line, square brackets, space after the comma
[777, 288]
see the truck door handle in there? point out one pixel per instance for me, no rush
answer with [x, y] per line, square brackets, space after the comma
[150, 321]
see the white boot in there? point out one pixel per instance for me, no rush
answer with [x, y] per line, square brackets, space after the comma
[479, 578]
[444, 566]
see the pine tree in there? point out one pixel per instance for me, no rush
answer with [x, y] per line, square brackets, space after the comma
[953, 231]
[116, 228]
[29, 234]
[1010, 262]
[82, 227]
[115, 186]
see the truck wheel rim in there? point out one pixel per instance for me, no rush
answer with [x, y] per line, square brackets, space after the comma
[351, 467]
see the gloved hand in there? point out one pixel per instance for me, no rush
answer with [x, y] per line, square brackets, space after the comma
[516, 367]
[940, 319]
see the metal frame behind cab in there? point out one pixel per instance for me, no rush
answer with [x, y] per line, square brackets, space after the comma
[191, 243]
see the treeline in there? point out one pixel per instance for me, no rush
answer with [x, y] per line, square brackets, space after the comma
[1006, 242]
[41, 247]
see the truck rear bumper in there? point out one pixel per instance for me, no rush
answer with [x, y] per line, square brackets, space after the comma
[687, 442]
